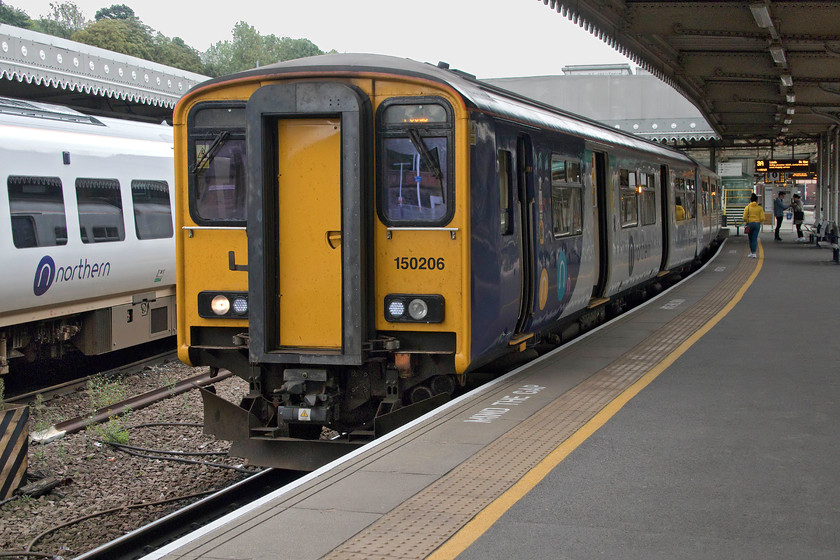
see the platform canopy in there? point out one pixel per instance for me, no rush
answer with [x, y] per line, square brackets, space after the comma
[760, 72]
[40, 67]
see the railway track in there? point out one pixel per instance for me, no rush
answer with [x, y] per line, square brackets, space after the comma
[135, 402]
[153, 536]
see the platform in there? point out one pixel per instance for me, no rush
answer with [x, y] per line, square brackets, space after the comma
[701, 425]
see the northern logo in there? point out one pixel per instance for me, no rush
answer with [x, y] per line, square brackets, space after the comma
[48, 272]
[44, 276]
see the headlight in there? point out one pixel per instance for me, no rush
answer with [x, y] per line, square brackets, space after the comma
[411, 308]
[223, 305]
[220, 305]
[418, 309]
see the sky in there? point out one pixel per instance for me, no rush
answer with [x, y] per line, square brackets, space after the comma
[487, 38]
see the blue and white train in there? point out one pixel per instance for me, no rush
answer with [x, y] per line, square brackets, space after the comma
[86, 232]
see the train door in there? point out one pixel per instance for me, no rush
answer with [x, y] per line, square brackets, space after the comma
[664, 178]
[309, 243]
[307, 269]
[600, 219]
[525, 188]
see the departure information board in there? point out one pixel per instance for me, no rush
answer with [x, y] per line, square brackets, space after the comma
[764, 165]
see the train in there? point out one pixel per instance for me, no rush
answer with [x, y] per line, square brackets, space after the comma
[361, 235]
[86, 232]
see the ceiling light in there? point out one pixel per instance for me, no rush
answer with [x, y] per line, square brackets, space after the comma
[778, 54]
[791, 98]
[761, 13]
[790, 110]
[787, 121]
[787, 80]
[783, 129]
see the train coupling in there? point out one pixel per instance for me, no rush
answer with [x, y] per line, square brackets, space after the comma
[304, 395]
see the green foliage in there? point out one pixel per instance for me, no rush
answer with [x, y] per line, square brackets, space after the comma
[116, 11]
[174, 52]
[249, 49]
[14, 16]
[117, 28]
[115, 430]
[103, 392]
[119, 35]
[41, 415]
[63, 20]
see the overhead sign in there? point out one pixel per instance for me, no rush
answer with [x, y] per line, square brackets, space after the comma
[766, 165]
[730, 169]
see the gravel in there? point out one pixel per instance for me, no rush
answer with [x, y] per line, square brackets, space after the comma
[100, 478]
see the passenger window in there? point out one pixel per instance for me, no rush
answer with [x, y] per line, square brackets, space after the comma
[37, 210]
[684, 199]
[503, 159]
[566, 197]
[647, 198]
[218, 164]
[629, 199]
[152, 211]
[415, 162]
[100, 210]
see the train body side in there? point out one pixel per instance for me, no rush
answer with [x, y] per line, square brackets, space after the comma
[74, 269]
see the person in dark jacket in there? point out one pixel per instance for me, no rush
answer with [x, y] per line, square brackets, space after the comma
[798, 217]
[779, 208]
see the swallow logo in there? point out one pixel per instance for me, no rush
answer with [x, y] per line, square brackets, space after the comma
[44, 276]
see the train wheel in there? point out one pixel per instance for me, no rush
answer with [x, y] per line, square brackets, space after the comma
[420, 393]
[443, 384]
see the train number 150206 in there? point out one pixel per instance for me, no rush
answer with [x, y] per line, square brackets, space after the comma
[420, 263]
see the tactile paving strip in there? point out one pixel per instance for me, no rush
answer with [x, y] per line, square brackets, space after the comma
[421, 524]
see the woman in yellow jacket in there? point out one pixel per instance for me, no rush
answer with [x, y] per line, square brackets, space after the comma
[753, 216]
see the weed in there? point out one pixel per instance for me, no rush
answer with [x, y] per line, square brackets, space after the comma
[41, 414]
[103, 392]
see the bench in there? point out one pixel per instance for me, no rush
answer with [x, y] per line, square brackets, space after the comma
[734, 216]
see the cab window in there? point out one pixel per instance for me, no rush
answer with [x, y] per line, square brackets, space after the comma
[217, 164]
[415, 155]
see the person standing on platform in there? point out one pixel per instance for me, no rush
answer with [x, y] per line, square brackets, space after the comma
[753, 217]
[798, 217]
[779, 208]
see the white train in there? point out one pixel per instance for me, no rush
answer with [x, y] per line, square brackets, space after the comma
[86, 232]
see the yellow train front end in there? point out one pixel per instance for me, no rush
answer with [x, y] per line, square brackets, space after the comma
[323, 250]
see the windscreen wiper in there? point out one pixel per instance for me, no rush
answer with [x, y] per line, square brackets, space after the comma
[207, 157]
[430, 161]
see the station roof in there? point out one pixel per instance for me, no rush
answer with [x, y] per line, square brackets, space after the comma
[760, 72]
[49, 69]
[612, 94]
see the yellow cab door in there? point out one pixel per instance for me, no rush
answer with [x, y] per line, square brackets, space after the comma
[308, 231]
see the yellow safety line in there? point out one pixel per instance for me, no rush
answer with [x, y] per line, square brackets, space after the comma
[485, 519]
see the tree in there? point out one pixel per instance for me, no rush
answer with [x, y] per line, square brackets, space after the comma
[174, 52]
[117, 11]
[63, 20]
[14, 16]
[249, 49]
[120, 35]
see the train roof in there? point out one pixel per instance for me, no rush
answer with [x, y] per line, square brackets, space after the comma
[476, 94]
[45, 116]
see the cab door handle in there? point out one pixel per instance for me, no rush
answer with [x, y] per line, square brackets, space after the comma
[333, 239]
